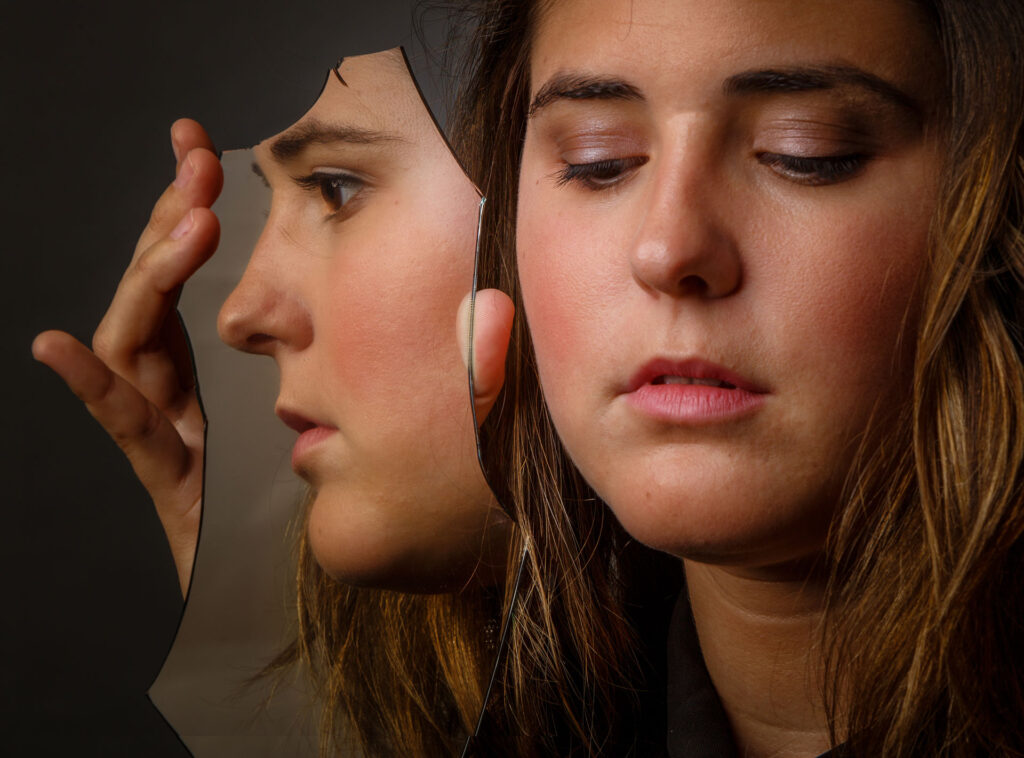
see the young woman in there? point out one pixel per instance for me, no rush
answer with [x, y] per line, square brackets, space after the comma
[770, 260]
[353, 289]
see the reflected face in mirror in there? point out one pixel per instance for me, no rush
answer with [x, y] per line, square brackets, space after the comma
[353, 289]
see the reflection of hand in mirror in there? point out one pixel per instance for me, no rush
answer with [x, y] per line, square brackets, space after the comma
[352, 289]
[137, 381]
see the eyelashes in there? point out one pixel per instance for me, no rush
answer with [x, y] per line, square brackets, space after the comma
[809, 171]
[338, 190]
[601, 174]
[815, 171]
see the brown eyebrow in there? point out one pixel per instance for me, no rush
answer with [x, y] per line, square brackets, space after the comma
[583, 87]
[811, 78]
[313, 132]
[570, 86]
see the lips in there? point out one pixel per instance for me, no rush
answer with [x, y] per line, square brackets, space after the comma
[692, 392]
[311, 434]
[694, 371]
[296, 421]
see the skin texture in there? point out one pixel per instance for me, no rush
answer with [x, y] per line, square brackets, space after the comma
[714, 221]
[799, 284]
[353, 289]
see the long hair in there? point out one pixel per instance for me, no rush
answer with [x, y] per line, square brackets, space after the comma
[923, 627]
[925, 633]
[393, 673]
[575, 681]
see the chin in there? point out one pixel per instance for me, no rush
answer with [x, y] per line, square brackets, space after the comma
[736, 521]
[381, 548]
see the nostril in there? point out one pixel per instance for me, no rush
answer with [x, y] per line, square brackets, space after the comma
[257, 343]
[693, 285]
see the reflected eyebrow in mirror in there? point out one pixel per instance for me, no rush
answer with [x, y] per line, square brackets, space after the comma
[313, 132]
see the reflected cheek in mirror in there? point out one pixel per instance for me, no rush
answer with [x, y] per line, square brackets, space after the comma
[400, 501]
[360, 317]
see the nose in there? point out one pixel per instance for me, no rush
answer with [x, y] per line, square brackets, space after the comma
[266, 311]
[683, 246]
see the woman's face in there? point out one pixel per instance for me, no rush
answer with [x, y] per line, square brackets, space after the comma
[353, 289]
[723, 213]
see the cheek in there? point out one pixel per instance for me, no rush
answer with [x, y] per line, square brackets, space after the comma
[389, 301]
[573, 273]
[842, 292]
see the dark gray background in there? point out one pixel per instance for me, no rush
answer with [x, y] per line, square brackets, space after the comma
[89, 91]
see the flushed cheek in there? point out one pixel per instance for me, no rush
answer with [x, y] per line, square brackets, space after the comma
[573, 278]
[388, 321]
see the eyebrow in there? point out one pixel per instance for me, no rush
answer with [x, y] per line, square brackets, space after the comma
[812, 78]
[313, 132]
[570, 86]
[583, 87]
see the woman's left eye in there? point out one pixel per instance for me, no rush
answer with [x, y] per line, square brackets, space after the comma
[336, 189]
[817, 170]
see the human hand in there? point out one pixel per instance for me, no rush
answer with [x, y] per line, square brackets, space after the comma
[137, 380]
[492, 327]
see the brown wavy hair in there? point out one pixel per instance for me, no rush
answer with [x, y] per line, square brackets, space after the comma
[394, 673]
[926, 624]
[577, 679]
[924, 629]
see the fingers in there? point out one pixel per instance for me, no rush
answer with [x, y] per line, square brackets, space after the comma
[131, 338]
[161, 460]
[187, 134]
[491, 328]
[197, 184]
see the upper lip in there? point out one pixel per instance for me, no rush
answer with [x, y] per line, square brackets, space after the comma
[297, 421]
[695, 368]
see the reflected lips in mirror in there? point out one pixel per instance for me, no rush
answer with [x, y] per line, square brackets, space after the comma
[311, 433]
[694, 392]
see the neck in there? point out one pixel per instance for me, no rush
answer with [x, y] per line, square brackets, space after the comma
[758, 633]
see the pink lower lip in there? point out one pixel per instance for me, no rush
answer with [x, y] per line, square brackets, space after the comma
[693, 403]
[308, 440]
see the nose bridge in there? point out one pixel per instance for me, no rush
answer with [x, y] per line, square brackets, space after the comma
[683, 245]
[266, 309]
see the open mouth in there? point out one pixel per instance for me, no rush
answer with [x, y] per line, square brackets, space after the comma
[703, 382]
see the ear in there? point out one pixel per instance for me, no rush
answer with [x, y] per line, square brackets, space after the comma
[491, 327]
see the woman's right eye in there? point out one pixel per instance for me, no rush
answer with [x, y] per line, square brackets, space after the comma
[599, 175]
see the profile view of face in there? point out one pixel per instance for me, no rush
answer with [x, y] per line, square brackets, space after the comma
[723, 216]
[353, 289]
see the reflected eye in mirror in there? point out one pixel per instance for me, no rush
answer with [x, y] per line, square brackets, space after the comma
[336, 188]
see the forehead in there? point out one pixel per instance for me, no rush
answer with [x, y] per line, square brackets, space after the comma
[375, 92]
[688, 44]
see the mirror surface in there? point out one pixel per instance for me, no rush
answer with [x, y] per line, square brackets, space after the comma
[356, 230]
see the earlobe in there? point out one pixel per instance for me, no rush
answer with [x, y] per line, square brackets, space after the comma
[490, 324]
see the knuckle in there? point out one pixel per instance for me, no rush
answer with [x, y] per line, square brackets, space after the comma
[141, 427]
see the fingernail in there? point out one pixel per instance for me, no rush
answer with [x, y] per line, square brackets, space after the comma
[185, 172]
[183, 226]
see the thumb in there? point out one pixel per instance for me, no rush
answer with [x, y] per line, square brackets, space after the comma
[488, 319]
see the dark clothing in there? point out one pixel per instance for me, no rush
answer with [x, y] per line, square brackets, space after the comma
[697, 724]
